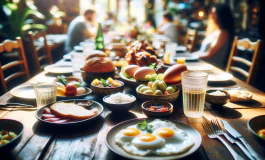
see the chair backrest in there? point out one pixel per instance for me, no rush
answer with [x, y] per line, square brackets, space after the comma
[245, 45]
[8, 46]
[40, 59]
[190, 39]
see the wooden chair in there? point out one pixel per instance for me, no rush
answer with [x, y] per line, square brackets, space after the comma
[8, 46]
[245, 45]
[190, 38]
[40, 59]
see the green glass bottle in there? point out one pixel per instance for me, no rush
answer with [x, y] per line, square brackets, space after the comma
[99, 41]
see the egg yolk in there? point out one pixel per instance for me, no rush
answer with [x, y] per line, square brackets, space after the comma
[147, 137]
[165, 132]
[131, 132]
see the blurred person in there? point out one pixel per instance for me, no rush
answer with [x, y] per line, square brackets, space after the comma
[149, 26]
[168, 28]
[80, 29]
[219, 36]
[110, 22]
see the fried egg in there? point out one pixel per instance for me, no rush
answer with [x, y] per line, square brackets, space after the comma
[126, 135]
[166, 139]
[148, 141]
[176, 141]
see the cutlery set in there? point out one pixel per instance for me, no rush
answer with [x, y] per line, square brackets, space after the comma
[16, 106]
[214, 130]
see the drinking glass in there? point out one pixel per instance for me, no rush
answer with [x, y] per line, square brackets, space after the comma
[194, 89]
[45, 93]
[78, 61]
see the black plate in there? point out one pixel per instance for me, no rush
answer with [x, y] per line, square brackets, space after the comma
[94, 105]
[255, 124]
[13, 126]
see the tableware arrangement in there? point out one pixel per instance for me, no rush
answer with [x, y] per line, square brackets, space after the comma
[194, 89]
[13, 126]
[237, 135]
[220, 131]
[118, 103]
[257, 125]
[157, 108]
[193, 135]
[45, 93]
[70, 123]
[217, 97]
[212, 134]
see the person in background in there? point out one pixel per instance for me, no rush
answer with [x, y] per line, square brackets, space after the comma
[168, 28]
[110, 22]
[219, 36]
[80, 29]
[149, 26]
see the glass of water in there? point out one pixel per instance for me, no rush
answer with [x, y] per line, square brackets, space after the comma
[45, 93]
[194, 89]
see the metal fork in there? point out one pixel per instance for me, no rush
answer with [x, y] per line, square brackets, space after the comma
[211, 134]
[219, 131]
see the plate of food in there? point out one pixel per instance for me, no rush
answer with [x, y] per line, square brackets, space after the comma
[70, 88]
[107, 86]
[59, 69]
[11, 133]
[150, 139]
[69, 112]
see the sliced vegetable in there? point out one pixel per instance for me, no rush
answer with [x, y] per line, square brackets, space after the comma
[62, 79]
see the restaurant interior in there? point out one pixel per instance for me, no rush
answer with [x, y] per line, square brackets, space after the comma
[132, 79]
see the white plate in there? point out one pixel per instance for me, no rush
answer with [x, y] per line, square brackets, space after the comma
[25, 92]
[201, 67]
[59, 68]
[192, 133]
[218, 77]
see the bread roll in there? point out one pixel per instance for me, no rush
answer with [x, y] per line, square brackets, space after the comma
[140, 73]
[131, 69]
[96, 53]
[72, 111]
[240, 96]
[99, 65]
[173, 73]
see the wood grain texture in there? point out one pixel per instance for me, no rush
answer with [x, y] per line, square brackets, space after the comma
[88, 141]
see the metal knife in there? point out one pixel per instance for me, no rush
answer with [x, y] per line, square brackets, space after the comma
[235, 141]
[15, 105]
[235, 134]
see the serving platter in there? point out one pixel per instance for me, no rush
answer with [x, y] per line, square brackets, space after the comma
[192, 133]
[94, 105]
[59, 69]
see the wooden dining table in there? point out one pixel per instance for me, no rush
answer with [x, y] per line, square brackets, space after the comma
[88, 141]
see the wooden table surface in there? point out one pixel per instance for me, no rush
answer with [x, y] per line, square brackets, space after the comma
[87, 142]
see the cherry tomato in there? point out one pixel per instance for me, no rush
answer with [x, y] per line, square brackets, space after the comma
[70, 89]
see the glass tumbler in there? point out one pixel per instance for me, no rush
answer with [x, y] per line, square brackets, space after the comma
[194, 89]
[45, 93]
